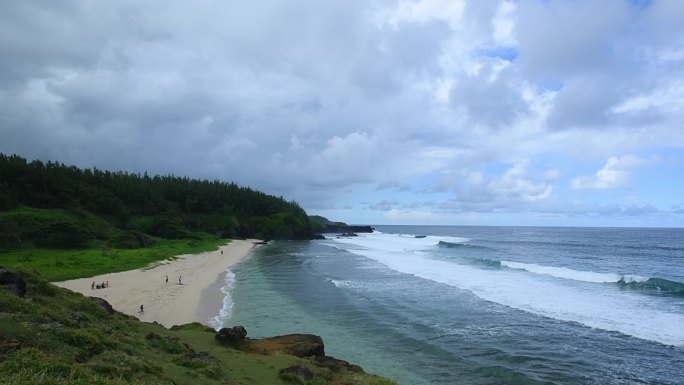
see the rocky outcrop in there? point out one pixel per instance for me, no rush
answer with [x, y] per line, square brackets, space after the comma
[299, 345]
[335, 364]
[347, 229]
[12, 282]
[231, 336]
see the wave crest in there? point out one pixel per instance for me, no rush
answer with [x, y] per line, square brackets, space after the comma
[660, 285]
[457, 245]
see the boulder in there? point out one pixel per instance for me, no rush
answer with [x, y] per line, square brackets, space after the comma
[12, 282]
[299, 345]
[336, 364]
[231, 336]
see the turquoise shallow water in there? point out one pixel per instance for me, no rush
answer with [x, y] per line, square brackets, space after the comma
[478, 305]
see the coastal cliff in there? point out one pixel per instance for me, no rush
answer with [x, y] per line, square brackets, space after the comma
[322, 225]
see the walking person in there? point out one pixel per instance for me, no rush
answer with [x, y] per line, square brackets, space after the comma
[179, 279]
[167, 279]
[142, 310]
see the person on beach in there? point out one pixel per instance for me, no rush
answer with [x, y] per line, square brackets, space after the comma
[221, 252]
[92, 287]
[167, 279]
[142, 310]
[179, 279]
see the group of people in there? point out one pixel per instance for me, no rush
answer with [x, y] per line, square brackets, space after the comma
[99, 286]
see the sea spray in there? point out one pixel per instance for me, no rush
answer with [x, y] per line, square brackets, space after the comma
[539, 293]
[577, 275]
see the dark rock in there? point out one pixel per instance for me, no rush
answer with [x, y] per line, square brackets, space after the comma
[12, 282]
[318, 236]
[297, 373]
[103, 304]
[231, 336]
[299, 345]
[349, 235]
[347, 229]
[336, 364]
[304, 345]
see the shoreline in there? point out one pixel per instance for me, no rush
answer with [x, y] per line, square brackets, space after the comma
[212, 299]
[192, 293]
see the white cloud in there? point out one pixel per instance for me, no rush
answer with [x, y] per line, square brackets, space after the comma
[516, 185]
[426, 10]
[504, 23]
[615, 173]
[514, 189]
[323, 101]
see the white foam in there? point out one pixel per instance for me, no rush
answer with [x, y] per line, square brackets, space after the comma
[345, 283]
[227, 308]
[398, 242]
[577, 275]
[576, 300]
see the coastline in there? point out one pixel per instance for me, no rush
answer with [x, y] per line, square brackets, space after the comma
[196, 298]
[211, 300]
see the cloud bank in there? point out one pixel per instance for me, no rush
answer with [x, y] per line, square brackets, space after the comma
[431, 111]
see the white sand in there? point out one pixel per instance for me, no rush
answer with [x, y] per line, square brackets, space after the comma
[196, 299]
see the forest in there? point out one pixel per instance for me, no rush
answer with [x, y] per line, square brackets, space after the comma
[50, 204]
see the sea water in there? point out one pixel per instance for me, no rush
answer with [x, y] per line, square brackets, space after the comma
[477, 305]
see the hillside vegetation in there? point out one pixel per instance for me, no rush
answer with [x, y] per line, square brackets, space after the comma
[51, 336]
[53, 205]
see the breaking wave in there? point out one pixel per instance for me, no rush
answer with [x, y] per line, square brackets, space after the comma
[628, 281]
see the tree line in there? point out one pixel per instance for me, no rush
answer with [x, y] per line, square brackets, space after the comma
[165, 206]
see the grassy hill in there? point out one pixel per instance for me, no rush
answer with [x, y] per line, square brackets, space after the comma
[54, 336]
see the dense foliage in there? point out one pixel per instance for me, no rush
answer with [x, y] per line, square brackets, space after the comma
[55, 205]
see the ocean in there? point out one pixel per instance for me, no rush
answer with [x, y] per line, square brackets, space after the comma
[477, 305]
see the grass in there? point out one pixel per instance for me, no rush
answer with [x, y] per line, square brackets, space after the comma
[60, 264]
[55, 336]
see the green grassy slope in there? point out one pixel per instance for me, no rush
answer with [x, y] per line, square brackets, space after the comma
[63, 264]
[55, 336]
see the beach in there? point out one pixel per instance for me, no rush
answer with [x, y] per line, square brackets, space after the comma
[172, 292]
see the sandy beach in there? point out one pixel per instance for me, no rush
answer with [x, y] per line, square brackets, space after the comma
[192, 293]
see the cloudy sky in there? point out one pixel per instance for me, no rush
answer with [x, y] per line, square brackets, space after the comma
[381, 112]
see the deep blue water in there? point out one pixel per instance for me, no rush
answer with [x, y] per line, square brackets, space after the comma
[478, 305]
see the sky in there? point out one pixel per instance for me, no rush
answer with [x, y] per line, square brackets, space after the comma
[441, 112]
